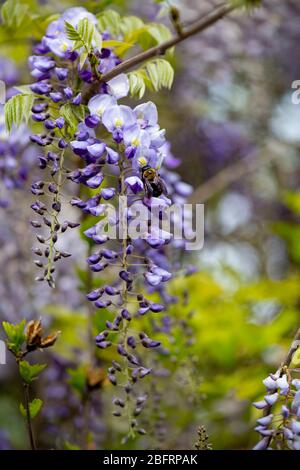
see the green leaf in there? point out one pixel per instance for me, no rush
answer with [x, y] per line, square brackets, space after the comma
[130, 24]
[34, 408]
[85, 35]
[249, 4]
[137, 84]
[292, 201]
[120, 46]
[15, 335]
[159, 32]
[161, 73]
[296, 359]
[30, 372]
[70, 446]
[17, 109]
[109, 20]
[13, 13]
[73, 114]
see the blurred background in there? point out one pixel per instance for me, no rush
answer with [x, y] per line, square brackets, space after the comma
[230, 118]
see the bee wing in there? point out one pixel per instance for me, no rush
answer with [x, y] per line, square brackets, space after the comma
[148, 188]
[164, 187]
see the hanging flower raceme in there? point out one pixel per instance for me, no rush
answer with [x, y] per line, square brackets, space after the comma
[16, 156]
[118, 152]
[280, 424]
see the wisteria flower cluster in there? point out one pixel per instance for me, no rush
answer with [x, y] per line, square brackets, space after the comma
[280, 424]
[111, 144]
[16, 155]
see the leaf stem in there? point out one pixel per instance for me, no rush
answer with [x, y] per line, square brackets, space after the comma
[28, 417]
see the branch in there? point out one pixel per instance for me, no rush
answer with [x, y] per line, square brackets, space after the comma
[227, 176]
[293, 348]
[200, 25]
[28, 417]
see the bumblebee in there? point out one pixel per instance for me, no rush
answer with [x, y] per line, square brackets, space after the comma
[154, 185]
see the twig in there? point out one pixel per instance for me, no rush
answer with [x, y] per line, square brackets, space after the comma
[215, 15]
[200, 25]
[293, 348]
[227, 176]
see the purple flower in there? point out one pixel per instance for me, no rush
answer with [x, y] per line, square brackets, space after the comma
[296, 427]
[283, 384]
[95, 181]
[270, 384]
[96, 150]
[94, 295]
[102, 303]
[116, 118]
[266, 420]
[118, 86]
[262, 445]
[77, 99]
[92, 120]
[260, 404]
[79, 147]
[153, 279]
[146, 114]
[112, 156]
[61, 73]
[135, 184]
[56, 96]
[271, 399]
[107, 193]
[99, 103]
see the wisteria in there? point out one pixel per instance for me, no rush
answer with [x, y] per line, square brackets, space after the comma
[112, 144]
[157, 339]
[17, 157]
[279, 427]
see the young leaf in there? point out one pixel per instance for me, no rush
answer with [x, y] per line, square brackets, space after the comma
[137, 84]
[30, 372]
[73, 114]
[120, 46]
[296, 359]
[17, 109]
[109, 20]
[159, 32]
[13, 13]
[161, 73]
[130, 24]
[15, 335]
[34, 408]
[85, 35]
